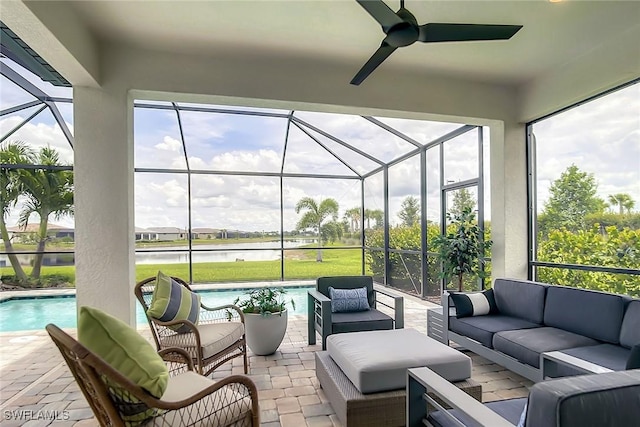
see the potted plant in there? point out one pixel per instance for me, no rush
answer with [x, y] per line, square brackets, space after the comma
[461, 248]
[265, 318]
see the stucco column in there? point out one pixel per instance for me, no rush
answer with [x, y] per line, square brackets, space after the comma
[104, 210]
[509, 227]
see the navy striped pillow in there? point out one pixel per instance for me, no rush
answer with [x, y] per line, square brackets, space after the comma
[172, 301]
[474, 304]
[348, 300]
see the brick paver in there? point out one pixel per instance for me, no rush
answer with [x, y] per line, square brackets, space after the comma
[33, 378]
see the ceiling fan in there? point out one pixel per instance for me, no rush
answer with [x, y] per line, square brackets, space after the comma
[402, 30]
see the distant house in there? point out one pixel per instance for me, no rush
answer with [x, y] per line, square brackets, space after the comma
[206, 233]
[27, 234]
[161, 234]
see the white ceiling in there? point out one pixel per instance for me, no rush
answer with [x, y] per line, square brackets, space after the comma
[553, 33]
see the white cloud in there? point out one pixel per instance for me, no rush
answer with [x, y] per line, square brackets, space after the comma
[169, 144]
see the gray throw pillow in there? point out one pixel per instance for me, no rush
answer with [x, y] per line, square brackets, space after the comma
[348, 300]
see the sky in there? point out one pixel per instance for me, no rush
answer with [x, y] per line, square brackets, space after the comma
[601, 137]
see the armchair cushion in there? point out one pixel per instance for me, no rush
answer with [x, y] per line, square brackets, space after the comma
[172, 301]
[348, 300]
[371, 320]
[214, 337]
[474, 303]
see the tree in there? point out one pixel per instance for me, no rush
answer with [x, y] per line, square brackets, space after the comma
[462, 199]
[14, 153]
[376, 215]
[410, 211]
[315, 214]
[462, 248]
[47, 192]
[623, 201]
[353, 217]
[573, 197]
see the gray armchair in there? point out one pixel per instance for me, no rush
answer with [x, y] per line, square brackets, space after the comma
[595, 400]
[322, 320]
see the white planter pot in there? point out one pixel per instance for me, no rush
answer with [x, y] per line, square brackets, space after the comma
[265, 333]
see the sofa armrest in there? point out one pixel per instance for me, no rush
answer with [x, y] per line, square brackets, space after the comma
[398, 306]
[318, 316]
[423, 381]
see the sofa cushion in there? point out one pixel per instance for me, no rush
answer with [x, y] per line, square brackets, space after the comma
[520, 298]
[526, 345]
[370, 320]
[609, 399]
[474, 303]
[610, 356]
[593, 314]
[630, 331]
[482, 328]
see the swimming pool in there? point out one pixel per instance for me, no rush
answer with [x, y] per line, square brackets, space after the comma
[29, 313]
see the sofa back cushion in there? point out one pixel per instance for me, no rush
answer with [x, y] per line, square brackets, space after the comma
[520, 298]
[630, 332]
[593, 314]
[609, 399]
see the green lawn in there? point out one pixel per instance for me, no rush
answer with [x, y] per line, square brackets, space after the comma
[299, 264]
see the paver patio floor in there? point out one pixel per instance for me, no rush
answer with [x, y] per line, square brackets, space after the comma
[35, 381]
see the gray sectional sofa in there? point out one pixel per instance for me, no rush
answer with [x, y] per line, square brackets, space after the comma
[533, 318]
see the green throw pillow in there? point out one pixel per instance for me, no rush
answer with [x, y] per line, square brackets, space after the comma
[124, 349]
[172, 301]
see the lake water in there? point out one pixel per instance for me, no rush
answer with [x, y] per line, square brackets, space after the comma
[229, 252]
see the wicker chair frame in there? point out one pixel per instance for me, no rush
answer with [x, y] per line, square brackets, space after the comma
[112, 396]
[165, 337]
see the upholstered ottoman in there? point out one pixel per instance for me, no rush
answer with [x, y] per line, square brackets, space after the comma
[364, 373]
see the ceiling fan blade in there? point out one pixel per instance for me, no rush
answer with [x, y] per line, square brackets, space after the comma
[381, 13]
[434, 33]
[376, 59]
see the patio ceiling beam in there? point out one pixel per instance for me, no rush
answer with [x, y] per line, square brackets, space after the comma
[339, 141]
[393, 131]
[327, 149]
[19, 108]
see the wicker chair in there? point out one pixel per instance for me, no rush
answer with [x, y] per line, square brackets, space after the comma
[218, 337]
[189, 400]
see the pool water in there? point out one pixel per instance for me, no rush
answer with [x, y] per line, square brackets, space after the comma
[35, 313]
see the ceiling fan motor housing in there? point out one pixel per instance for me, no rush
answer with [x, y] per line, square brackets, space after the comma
[403, 33]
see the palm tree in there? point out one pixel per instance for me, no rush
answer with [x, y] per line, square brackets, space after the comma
[14, 153]
[374, 214]
[314, 216]
[48, 192]
[353, 216]
[623, 201]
